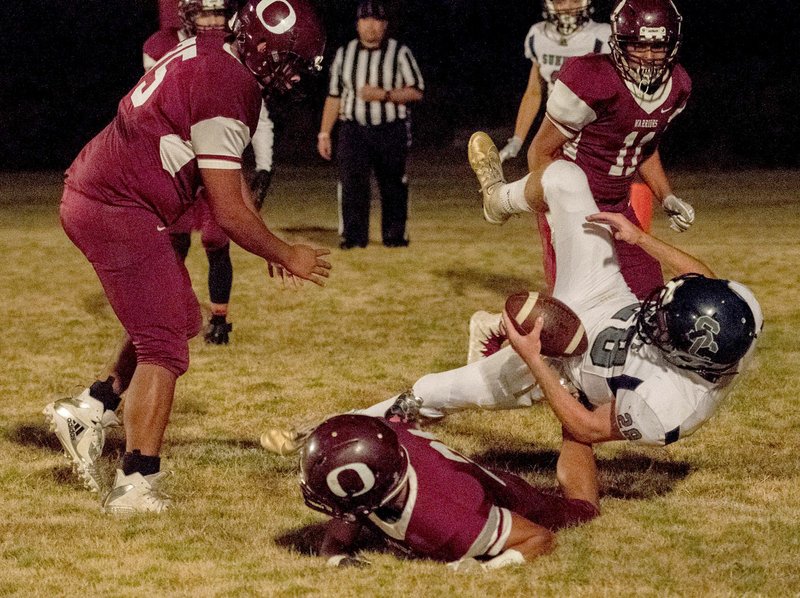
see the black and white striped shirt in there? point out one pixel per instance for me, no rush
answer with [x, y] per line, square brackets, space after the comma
[389, 66]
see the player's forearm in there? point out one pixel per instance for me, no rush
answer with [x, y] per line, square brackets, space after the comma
[330, 113]
[584, 425]
[528, 109]
[677, 261]
[403, 95]
[652, 173]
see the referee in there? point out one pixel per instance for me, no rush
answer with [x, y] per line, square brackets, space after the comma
[372, 80]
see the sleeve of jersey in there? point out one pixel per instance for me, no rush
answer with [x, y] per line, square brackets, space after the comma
[493, 537]
[412, 76]
[638, 421]
[335, 83]
[263, 140]
[528, 49]
[223, 118]
[567, 110]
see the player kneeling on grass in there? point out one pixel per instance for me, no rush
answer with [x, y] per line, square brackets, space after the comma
[400, 481]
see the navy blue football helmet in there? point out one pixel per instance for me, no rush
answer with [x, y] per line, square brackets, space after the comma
[701, 324]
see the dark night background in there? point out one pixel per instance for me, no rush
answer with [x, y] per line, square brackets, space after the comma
[66, 64]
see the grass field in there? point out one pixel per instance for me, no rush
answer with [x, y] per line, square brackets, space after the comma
[717, 514]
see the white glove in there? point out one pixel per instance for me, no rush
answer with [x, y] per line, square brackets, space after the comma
[681, 213]
[346, 560]
[511, 149]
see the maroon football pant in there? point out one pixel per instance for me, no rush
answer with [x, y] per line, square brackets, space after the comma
[146, 284]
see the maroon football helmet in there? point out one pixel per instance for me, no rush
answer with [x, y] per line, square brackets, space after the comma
[645, 23]
[351, 465]
[567, 20]
[279, 40]
[189, 10]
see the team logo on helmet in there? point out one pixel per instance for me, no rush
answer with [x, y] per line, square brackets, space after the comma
[282, 22]
[706, 325]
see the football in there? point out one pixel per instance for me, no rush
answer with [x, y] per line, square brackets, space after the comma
[562, 335]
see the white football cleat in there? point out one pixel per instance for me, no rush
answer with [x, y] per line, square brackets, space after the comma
[485, 161]
[136, 493]
[486, 335]
[78, 424]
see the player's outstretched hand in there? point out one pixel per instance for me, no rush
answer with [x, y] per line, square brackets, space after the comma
[622, 228]
[308, 263]
[283, 276]
[511, 149]
[528, 346]
[681, 213]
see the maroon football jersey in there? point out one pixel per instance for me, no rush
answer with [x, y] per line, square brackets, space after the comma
[456, 508]
[196, 108]
[158, 44]
[612, 127]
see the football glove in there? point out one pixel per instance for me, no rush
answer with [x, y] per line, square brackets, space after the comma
[511, 149]
[681, 213]
[348, 560]
[259, 186]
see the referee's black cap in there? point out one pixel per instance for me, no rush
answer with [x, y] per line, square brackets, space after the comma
[371, 9]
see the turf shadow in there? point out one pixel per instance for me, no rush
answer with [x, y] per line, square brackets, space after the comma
[329, 237]
[464, 279]
[626, 476]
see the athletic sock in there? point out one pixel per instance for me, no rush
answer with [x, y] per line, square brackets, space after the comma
[513, 195]
[135, 461]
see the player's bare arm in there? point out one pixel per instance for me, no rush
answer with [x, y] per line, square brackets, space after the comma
[587, 427]
[529, 539]
[680, 212]
[330, 112]
[544, 150]
[576, 470]
[677, 261]
[249, 232]
[528, 106]
[398, 95]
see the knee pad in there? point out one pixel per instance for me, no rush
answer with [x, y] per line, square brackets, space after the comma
[566, 184]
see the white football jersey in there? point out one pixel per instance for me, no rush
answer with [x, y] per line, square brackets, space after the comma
[548, 49]
[656, 402]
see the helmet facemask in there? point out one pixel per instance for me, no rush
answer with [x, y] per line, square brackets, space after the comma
[567, 21]
[647, 74]
[191, 10]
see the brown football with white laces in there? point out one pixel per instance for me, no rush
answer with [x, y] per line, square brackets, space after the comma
[563, 334]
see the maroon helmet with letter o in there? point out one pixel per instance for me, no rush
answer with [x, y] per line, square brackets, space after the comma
[654, 24]
[279, 40]
[351, 465]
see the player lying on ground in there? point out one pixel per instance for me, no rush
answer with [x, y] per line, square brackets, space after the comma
[654, 372]
[398, 480]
